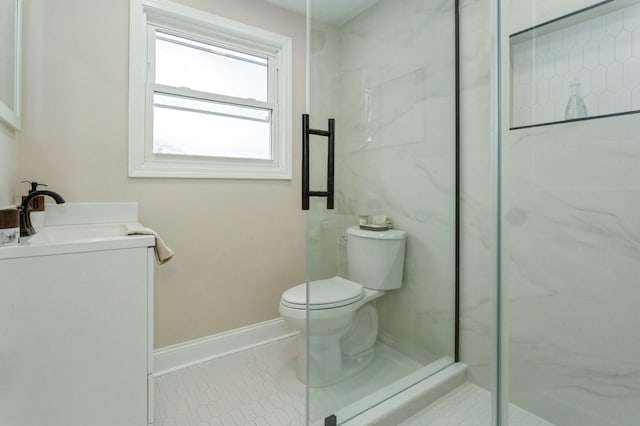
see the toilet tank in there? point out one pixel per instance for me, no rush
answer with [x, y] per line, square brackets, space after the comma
[376, 258]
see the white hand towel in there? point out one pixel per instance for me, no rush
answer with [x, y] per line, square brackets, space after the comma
[382, 220]
[162, 251]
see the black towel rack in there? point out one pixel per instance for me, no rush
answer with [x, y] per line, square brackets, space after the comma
[330, 135]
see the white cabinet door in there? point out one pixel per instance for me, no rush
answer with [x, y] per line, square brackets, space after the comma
[73, 339]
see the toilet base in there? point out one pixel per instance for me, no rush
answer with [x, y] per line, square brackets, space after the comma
[354, 365]
[338, 349]
[323, 372]
[338, 341]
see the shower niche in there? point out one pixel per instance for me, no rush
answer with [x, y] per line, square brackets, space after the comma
[580, 66]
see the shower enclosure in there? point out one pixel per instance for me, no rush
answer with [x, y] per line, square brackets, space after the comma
[385, 71]
[535, 286]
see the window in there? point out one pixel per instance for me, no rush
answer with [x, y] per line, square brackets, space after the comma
[208, 97]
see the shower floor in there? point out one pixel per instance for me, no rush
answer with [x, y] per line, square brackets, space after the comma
[259, 387]
[469, 405]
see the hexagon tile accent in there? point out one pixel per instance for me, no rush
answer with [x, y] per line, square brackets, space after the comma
[601, 55]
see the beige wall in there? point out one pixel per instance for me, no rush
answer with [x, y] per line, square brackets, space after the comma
[238, 244]
[8, 159]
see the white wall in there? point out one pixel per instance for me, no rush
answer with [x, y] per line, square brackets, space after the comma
[238, 243]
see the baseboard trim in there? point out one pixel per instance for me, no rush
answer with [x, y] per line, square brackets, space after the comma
[182, 355]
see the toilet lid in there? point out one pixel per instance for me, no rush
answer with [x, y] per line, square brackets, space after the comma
[325, 294]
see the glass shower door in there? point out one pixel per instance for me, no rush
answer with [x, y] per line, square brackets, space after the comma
[385, 72]
[570, 215]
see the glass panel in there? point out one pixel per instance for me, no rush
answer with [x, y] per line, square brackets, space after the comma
[181, 62]
[7, 52]
[385, 71]
[570, 224]
[187, 126]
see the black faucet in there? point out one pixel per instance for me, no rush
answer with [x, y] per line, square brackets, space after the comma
[26, 229]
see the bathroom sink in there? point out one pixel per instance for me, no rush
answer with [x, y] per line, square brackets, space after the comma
[80, 227]
[71, 233]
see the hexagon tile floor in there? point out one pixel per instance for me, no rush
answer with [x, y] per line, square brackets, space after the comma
[252, 387]
[258, 387]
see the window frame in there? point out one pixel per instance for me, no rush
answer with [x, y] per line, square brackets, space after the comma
[146, 16]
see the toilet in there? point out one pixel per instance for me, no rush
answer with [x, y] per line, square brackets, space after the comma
[342, 327]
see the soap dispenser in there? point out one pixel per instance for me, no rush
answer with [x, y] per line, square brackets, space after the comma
[575, 107]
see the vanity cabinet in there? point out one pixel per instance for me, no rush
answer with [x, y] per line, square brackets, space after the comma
[75, 334]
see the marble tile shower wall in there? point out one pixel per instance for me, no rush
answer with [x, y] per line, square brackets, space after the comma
[571, 250]
[570, 271]
[601, 54]
[396, 122]
[478, 246]
[393, 99]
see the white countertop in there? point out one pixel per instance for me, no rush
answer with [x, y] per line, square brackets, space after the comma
[26, 249]
[75, 228]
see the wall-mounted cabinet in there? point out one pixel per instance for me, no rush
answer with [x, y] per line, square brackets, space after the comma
[10, 42]
[580, 66]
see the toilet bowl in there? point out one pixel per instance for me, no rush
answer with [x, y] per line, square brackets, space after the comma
[341, 325]
[337, 317]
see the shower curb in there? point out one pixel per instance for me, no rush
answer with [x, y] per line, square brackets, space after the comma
[414, 399]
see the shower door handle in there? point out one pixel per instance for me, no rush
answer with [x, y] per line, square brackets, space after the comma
[330, 135]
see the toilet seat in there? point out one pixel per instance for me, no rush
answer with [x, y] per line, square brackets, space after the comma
[325, 294]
